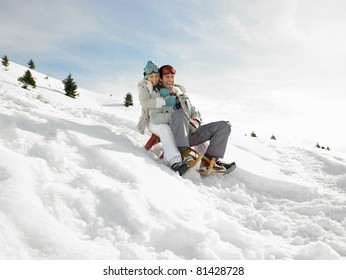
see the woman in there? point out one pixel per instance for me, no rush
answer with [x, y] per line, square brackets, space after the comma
[154, 108]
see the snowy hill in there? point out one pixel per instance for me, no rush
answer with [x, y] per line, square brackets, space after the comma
[76, 183]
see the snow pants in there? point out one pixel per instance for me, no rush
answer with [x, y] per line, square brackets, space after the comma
[216, 132]
[171, 152]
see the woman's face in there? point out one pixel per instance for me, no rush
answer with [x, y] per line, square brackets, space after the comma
[154, 79]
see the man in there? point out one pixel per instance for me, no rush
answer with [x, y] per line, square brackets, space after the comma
[185, 123]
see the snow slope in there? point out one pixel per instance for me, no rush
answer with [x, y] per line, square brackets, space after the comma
[76, 183]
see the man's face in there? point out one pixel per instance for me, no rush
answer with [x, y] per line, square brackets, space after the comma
[168, 80]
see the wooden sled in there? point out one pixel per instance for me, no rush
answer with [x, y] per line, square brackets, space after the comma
[211, 168]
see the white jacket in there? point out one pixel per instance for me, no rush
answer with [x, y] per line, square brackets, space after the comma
[149, 99]
[153, 105]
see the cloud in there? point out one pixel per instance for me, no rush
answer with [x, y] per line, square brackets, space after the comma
[260, 42]
[41, 26]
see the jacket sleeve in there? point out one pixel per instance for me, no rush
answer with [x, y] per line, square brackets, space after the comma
[186, 103]
[195, 114]
[189, 109]
[145, 98]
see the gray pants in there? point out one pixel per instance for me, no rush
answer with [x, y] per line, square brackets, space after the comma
[216, 132]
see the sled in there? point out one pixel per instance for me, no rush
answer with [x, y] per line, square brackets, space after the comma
[153, 140]
[212, 167]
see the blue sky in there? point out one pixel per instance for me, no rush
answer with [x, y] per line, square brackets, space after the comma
[272, 52]
[101, 41]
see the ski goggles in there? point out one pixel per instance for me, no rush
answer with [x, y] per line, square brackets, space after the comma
[150, 71]
[167, 69]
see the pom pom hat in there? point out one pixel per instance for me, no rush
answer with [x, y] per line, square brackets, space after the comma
[150, 68]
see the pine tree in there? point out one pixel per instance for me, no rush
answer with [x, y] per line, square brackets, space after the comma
[27, 80]
[31, 64]
[273, 137]
[128, 100]
[5, 62]
[70, 87]
[253, 134]
[318, 145]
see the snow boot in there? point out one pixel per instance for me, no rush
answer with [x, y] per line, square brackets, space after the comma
[180, 167]
[229, 166]
[187, 158]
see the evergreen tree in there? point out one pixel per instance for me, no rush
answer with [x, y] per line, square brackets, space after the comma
[5, 62]
[273, 137]
[128, 100]
[318, 145]
[253, 134]
[31, 64]
[70, 87]
[27, 80]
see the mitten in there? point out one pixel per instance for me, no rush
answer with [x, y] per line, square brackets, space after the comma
[170, 100]
[165, 92]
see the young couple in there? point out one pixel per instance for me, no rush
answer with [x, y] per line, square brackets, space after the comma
[168, 113]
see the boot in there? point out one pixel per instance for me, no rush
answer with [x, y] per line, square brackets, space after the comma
[180, 167]
[187, 158]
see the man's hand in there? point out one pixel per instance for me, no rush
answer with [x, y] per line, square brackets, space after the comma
[165, 92]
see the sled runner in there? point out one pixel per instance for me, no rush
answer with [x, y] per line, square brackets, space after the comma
[212, 167]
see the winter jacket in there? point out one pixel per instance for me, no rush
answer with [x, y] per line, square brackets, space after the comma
[153, 106]
[149, 99]
[192, 114]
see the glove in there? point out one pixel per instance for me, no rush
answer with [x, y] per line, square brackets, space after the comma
[165, 92]
[170, 100]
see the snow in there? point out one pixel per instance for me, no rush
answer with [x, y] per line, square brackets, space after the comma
[76, 183]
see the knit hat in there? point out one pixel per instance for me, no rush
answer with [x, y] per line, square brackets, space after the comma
[150, 68]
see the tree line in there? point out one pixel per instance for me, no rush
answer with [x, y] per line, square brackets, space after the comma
[253, 134]
[70, 87]
[27, 80]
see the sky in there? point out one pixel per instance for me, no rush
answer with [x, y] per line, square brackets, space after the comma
[266, 51]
